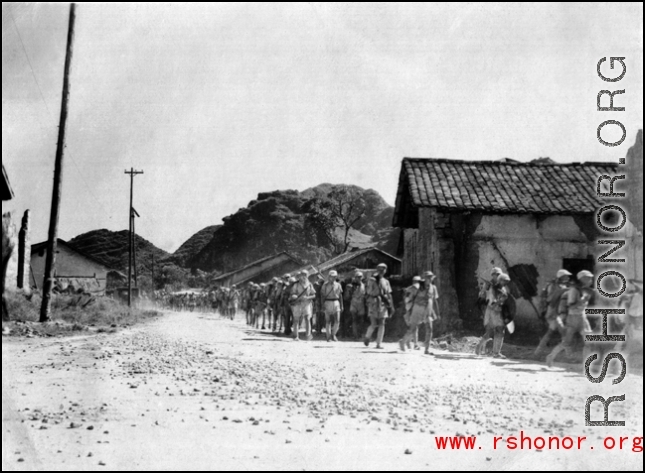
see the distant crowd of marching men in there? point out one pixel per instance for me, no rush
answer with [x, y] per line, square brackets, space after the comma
[293, 303]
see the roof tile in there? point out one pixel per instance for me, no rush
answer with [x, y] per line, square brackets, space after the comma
[498, 186]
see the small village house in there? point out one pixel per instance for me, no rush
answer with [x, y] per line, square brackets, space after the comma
[259, 271]
[73, 270]
[462, 218]
[365, 260]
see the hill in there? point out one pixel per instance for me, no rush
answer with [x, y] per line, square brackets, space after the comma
[299, 223]
[194, 245]
[112, 249]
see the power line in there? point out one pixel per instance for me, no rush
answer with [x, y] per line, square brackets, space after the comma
[49, 113]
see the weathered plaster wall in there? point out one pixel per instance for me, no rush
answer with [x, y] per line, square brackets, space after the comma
[542, 243]
[69, 264]
[462, 247]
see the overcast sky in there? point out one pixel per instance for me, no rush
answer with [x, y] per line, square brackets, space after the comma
[217, 103]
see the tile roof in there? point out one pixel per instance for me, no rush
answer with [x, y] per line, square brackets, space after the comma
[278, 258]
[35, 248]
[343, 259]
[346, 257]
[499, 186]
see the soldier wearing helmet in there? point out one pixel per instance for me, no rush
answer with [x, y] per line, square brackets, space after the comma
[421, 309]
[379, 305]
[358, 307]
[550, 303]
[332, 300]
[575, 302]
[496, 298]
[301, 299]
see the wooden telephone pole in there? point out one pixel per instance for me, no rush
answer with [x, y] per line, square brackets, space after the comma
[50, 261]
[131, 213]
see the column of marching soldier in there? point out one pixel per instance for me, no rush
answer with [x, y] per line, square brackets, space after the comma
[293, 304]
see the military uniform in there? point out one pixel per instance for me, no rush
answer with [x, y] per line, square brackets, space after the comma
[420, 309]
[357, 307]
[553, 295]
[577, 300]
[285, 306]
[332, 300]
[379, 304]
[302, 296]
[494, 325]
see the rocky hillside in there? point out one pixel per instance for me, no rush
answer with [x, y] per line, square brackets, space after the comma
[284, 221]
[112, 249]
[194, 245]
[297, 222]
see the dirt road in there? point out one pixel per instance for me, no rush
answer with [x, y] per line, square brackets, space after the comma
[194, 391]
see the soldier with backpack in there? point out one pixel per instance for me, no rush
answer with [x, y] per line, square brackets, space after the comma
[550, 298]
[577, 299]
[357, 306]
[379, 305]
[301, 301]
[423, 309]
[331, 296]
[495, 319]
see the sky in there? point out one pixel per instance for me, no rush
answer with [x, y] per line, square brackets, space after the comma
[219, 102]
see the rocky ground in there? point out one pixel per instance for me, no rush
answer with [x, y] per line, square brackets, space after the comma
[194, 391]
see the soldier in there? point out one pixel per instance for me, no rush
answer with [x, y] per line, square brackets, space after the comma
[332, 300]
[248, 303]
[276, 296]
[319, 312]
[301, 301]
[288, 282]
[379, 305]
[357, 307]
[496, 296]
[261, 305]
[234, 302]
[410, 300]
[255, 298]
[551, 296]
[578, 298]
[432, 295]
[485, 289]
[423, 309]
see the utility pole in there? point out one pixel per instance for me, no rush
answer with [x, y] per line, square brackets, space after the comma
[50, 261]
[132, 173]
[153, 273]
[135, 215]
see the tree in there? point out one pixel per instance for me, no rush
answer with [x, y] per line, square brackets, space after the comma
[348, 207]
[320, 222]
[172, 277]
[341, 209]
